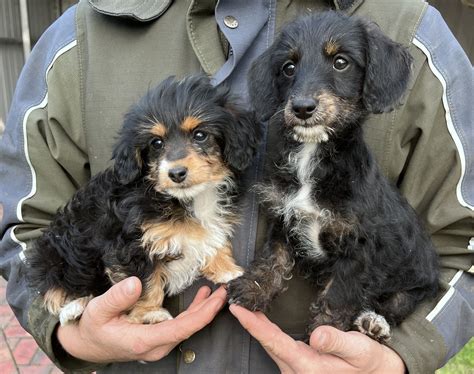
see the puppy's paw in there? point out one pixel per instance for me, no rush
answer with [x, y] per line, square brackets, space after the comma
[149, 317]
[226, 277]
[72, 311]
[248, 293]
[373, 325]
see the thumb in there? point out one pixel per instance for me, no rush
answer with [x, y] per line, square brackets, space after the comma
[327, 339]
[116, 300]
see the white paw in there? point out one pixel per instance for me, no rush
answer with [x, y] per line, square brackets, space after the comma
[227, 277]
[373, 325]
[71, 311]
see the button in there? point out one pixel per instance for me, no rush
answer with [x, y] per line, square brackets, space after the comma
[188, 356]
[231, 22]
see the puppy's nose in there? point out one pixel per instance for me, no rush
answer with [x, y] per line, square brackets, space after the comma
[178, 174]
[304, 107]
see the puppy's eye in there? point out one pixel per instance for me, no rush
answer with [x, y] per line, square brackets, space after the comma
[199, 136]
[340, 63]
[289, 69]
[157, 143]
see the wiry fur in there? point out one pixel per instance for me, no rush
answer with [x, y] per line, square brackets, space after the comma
[339, 220]
[138, 218]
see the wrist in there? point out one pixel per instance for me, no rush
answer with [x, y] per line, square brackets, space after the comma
[58, 348]
[65, 342]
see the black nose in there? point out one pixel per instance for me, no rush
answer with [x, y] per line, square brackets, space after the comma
[304, 107]
[178, 174]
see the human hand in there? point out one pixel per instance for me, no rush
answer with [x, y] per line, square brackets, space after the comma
[103, 334]
[329, 351]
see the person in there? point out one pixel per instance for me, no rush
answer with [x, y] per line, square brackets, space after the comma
[100, 56]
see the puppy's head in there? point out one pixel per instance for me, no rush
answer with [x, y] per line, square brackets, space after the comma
[184, 136]
[326, 71]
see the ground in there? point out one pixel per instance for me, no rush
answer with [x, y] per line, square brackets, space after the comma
[18, 350]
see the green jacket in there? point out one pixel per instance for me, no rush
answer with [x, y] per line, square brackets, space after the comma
[102, 55]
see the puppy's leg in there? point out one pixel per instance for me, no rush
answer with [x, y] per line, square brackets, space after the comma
[330, 309]
[391, 311]
[264, 279]
[73, 310]
[68, 309]
[398, 306]
[148, 309]
[54, 300]
[222, 268]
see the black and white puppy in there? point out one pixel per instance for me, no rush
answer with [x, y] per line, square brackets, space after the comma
[165, 210]
[334, 215]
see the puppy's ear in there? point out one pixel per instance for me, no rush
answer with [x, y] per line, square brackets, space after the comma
[128, 160]
[242, 138]
[262, 87]
[387, 72]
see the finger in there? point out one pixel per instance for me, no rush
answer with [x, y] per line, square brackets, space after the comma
[275, 341]
[220, 293]
[346, 345]
[115, 301]
[179, 329]
[202, 294]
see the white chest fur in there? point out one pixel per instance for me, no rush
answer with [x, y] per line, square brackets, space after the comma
[216, 226]
[301, 213]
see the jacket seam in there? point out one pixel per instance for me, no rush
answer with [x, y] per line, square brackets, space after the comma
[80, 63]
[194, 40]
[421, 43]
[418, 22]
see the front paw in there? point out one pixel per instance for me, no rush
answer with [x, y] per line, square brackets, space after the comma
[149, 317]
[373, 325]
[248, 293]
[72, 311]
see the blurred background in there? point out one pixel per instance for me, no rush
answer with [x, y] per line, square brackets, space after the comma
[21, 24]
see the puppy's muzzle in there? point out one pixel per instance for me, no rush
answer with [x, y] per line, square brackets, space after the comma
[178, 174]
[303, 107]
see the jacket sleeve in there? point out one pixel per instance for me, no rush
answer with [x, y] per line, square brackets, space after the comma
[437, 177]
[43, 161]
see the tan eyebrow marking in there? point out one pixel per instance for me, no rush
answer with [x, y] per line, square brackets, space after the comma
[190, 123]
[158, 129]
[331, 47]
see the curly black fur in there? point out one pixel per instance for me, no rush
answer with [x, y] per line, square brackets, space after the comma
[349, 231]
[97, 238]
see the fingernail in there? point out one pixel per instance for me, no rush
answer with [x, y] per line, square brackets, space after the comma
[322, 339]
[130, 287]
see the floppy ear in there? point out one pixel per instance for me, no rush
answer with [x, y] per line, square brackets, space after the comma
[242, 138]
[262, 87]
[128, 160]
[387, 72]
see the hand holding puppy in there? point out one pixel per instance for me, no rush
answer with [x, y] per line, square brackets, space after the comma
[329, 351]
[103, 334]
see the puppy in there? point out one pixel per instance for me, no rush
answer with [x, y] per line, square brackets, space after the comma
[163, 212]
[334, 215]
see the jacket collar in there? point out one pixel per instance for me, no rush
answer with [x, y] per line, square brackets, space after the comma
[140, 10]
[148, 10]
[347, 5]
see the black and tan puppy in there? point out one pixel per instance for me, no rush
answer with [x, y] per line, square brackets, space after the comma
[163, 212]
[334, 215]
